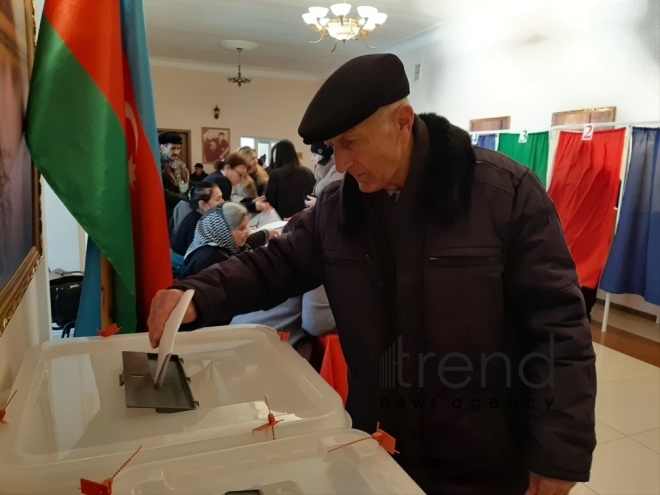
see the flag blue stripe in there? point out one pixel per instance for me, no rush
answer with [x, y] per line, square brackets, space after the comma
[88, 321]
[134, 36]
[633, 266]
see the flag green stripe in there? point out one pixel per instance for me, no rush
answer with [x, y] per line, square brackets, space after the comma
[79, 145]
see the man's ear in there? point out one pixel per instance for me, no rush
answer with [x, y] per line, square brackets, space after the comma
[405, 117]
[163, 148]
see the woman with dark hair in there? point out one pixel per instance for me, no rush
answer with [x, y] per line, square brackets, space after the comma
[289, 183]
[204, 196]
[228, 175]
[220, 234]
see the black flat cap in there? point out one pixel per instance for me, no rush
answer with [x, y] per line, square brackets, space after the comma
[352, 94]
[169, 138]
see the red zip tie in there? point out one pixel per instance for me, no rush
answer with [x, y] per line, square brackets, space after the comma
[109, 331]
[351, 443]
[88, 487]
[3, 412]
[271, 421]
[383, 438]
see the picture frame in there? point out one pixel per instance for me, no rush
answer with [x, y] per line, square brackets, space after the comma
[216, 144]
[21, 242]
[186, 155]
[584, 116]
[490, 124]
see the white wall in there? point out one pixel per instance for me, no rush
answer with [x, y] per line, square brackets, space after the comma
[64, 237]
[528, 59]
[268, 107]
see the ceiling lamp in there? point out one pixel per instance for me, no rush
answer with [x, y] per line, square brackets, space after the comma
[239, 46]
[342, 27]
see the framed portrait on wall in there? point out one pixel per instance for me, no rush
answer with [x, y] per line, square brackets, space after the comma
[584, 116]
[185, 145]
[215, 144]
[20, 213]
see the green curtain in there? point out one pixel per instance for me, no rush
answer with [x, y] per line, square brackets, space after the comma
[533, 153]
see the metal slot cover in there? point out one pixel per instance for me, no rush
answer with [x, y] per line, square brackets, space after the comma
[174, 395]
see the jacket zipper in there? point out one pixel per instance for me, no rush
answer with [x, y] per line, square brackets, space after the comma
[465, 261]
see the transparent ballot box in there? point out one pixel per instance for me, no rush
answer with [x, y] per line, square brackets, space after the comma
[69, 418]
[304, 465]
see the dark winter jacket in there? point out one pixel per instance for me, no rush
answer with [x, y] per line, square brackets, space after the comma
[288, 188]
[436, 311]
[185, 233]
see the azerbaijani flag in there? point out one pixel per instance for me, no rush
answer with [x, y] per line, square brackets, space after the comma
[91, 130]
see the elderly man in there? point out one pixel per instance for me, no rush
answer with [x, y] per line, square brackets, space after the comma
[176, 178]
[455, 296]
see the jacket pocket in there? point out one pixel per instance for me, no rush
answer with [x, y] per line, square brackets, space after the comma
[464, 261]
[365, 264]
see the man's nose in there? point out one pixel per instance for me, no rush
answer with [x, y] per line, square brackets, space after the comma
[343, 162]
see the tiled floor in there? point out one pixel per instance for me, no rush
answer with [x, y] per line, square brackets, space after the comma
[630, 334]
[638, 325]
[627, 457]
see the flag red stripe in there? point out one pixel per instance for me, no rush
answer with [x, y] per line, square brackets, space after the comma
[150, 233]
[92, 31]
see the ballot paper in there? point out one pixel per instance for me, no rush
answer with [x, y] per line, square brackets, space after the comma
[166, 346]
[274, 226]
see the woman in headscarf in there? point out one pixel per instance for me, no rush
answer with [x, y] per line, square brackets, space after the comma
[221, 233]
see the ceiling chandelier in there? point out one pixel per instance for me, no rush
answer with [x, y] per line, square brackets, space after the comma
[342, 27]
[239, 46]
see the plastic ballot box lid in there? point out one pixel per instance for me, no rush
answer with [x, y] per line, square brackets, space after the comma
[294, 466]
[69, 418]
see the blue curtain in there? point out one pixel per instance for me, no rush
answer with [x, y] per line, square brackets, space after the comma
[488, 141]
[88, 322]
[633, 266]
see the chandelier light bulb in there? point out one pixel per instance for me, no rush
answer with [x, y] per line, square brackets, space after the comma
[370, 25]
[366, 12]
[309, 19]
[379, 18]
[318, 12]
[341, 9]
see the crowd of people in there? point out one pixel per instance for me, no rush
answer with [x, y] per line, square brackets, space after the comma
[211, 217]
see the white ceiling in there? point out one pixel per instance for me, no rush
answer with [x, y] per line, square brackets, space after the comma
[192, 30]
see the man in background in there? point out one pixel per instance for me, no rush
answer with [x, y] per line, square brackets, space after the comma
[176, 178]
[198, 174]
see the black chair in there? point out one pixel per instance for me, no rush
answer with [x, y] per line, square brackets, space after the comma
[65, 295]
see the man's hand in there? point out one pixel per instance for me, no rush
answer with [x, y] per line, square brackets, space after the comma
[161, 308]
[272, 233]
[538, 485]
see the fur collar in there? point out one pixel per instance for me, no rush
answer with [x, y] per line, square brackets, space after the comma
[446, 180]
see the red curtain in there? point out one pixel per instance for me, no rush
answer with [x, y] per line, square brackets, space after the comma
[585, 186]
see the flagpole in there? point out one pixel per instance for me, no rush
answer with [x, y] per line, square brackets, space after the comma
[106, 292]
